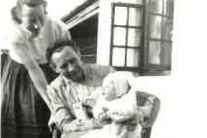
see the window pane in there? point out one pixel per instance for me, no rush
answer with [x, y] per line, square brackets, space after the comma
[132, 1]
[154, 52]
[119, 36]
[135, 16]
[167, 28]
[155, 27]
[134, 37]
[169, 5]
[155, 6]
[118, 57]
[132, 58]
[165, 54]
[120, 12]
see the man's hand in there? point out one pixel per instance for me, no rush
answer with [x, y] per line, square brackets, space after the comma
[100, 122]
[78, 125]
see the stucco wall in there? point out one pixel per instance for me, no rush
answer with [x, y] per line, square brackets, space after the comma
[183, 95]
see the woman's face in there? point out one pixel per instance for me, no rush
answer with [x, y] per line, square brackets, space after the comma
[33, 18]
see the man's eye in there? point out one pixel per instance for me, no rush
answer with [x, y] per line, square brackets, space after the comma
[41, 20]
[30, 20]
[63, 66]
[72, 61]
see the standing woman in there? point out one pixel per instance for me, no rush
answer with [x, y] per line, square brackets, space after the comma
[25, 72]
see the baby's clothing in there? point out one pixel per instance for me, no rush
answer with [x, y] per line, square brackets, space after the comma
[108, 132]
[120, 104]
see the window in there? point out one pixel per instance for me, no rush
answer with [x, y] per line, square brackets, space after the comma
[158, 39]
[141, 40]
[127, 34]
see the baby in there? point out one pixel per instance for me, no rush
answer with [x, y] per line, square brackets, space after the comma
[119, 103]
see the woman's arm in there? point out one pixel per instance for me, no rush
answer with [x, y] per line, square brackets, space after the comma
[34, 70]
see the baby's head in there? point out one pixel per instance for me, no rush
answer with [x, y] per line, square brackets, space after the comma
[114, 86]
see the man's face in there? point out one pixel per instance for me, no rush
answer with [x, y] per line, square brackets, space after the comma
[68, 63]
[33, 18]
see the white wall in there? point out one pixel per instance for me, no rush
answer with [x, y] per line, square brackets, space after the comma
[183, 95]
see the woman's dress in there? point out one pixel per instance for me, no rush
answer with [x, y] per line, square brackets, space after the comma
[24, 114]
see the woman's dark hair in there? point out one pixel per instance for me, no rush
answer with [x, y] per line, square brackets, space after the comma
[16, 11]
[58, 46]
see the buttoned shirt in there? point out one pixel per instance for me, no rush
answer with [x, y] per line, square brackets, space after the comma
[64, 92]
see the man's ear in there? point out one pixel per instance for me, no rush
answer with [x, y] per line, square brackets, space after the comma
[77, 49]
[53, 67]
[79, 54]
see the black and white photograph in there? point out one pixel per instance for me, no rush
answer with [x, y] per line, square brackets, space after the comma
[103, 68]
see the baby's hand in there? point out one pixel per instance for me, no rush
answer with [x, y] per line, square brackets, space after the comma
[99, 107]
[78, 125]
[120, 117]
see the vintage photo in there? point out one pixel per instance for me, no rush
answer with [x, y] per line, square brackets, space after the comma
[76, 69]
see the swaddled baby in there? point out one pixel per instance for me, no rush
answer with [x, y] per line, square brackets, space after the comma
[119, 103]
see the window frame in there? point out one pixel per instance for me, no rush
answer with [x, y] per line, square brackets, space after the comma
[144, 66]
[154, 69]
[127, 27]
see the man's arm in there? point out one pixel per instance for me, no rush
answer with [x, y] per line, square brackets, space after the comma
[61, 113]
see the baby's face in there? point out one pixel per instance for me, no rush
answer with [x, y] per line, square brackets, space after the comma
[109, 91]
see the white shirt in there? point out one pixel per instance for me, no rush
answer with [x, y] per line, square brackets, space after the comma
[52, 31]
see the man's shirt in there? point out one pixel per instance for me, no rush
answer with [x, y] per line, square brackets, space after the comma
[64, 92]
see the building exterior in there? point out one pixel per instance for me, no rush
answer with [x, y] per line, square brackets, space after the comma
[131, 35]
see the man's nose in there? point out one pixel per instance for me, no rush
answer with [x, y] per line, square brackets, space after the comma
[71, 68]
[33, 27]
[36, 25]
